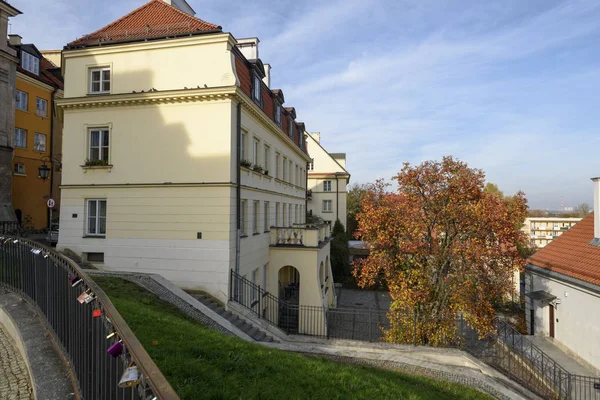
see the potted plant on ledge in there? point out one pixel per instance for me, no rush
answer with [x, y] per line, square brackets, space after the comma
[257, 168]
[245, 163]
[95, 163]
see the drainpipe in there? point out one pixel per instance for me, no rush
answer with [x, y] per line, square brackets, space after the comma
[52, 101]
[337, 198]
[238, 189]
[306, 193]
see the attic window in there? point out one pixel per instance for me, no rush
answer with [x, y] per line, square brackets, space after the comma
[291, 131]
[30, 63]
[257, 90]
[277, 113]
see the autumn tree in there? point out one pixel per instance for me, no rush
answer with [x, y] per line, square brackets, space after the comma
[340, 259]
[443, 245]
[355, 193]
[493, 188]
[582, 210]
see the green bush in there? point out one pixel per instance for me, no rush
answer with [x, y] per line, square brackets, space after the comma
[340, 261]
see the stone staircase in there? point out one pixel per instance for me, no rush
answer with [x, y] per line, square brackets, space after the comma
[249, 329]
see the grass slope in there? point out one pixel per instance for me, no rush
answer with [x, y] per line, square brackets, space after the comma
[203, 364]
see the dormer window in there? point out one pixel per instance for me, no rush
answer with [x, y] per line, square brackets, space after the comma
[291, 130]
[99, 80]
[257, 90]
[277, 113]
[30, 63]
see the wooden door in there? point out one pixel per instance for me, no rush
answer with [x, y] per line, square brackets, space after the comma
[551, 308]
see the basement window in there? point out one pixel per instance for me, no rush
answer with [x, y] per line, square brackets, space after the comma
[95, 257]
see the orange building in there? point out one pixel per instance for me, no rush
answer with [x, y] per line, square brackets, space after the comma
[38, 84]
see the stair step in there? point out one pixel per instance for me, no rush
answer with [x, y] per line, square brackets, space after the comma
[253, 331]
[260, 337]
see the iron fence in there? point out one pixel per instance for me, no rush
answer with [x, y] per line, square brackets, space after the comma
[93, 336]
[10, 228]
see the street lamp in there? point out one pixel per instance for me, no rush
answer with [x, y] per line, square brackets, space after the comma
[44, 170]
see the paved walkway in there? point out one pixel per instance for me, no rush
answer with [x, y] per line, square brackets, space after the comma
[360, 298]
[563, 359]
[14, 376]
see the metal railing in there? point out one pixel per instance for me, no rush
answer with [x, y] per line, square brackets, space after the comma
[12, 228]
[90, 332]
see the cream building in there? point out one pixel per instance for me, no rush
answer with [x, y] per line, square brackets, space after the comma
[179, 159]
[543, 230]
[327, 181]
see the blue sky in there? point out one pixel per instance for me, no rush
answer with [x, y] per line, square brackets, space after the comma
[511, 87]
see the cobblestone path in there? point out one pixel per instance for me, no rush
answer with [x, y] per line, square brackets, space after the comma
[14, 376]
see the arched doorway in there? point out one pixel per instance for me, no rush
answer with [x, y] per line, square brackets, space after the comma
[289, 296]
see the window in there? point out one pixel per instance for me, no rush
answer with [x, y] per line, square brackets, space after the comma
[99, 144]
[297, 176]
[267, 156]
[290, 172]
[311, 164]
[277, 156]
[277, 214]
[255, 151]
[255, 217]
[302, 215]
[19, 168]
[257, 90]
[327, 186]
[100, 80]
[243, 218]
[291, 130]
[278, 114]
[296, 219]
[95, 257]
[41, 107]
[21, 98]
[284, 177]
[290, 215]
[39, 142]
[30, 63]
[243, 146]
[266, 216]
[96, 218]
[20, 138]
[327, 205]
[283, 222]
[264, 276]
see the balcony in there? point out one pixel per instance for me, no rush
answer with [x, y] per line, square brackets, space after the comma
[300, 235]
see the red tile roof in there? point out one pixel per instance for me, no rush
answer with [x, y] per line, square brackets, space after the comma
[571, 254]
[153, 19]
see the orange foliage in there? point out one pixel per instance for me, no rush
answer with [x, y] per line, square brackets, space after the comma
[443, 246]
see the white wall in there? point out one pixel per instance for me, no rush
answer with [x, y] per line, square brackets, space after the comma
[577, 323]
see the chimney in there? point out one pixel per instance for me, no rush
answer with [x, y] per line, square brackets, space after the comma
[596, 241]
[267, 78]
[182, 5]
[14, 40]
[249, 47]
[316, 136]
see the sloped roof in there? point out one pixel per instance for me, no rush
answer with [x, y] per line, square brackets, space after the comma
[571, 254]
[152, 20]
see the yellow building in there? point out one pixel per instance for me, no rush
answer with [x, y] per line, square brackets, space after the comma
[179, 159]
[36, 88]
[543, 230]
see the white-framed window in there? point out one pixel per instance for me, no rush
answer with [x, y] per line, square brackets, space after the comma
[291, 129]
[311, 164]
[39, 142]
[100, 80]
[267, 157]
[255, 216]
[277, 205]
[327, 186]
[257, 90]
[243, 146]
[297, 176]
[19, 168]
[302, 214]
[20, 138]
[296, 215]
[277, 157]
[290, 215]
[243, 217]
[41, 107]
[21, 99]
[290, 171]
[284, 220]
[99, 144]
[327, 205]
[30, 62]
[255, 151]
[284, 177]
[277, 113]
[96, 217]
[266, 216]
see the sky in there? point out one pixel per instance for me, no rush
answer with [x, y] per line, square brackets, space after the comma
[509, 86]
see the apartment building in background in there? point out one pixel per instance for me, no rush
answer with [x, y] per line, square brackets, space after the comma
[543, 230]
[8, 67]
[327, 181]
[37, 135]
[180, 159]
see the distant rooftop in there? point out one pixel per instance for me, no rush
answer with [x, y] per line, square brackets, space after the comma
[338, 155]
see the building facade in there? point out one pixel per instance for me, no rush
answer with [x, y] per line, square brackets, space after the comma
[562, 288]
[543, 230]
[327, 181]
[183, 167]
[36, 136]
[8, 67]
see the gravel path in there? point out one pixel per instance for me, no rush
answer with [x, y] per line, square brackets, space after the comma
[14, 376]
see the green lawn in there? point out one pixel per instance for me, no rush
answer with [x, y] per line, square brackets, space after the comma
[203, 364]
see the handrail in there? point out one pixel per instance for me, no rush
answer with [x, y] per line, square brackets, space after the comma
[19, 250]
